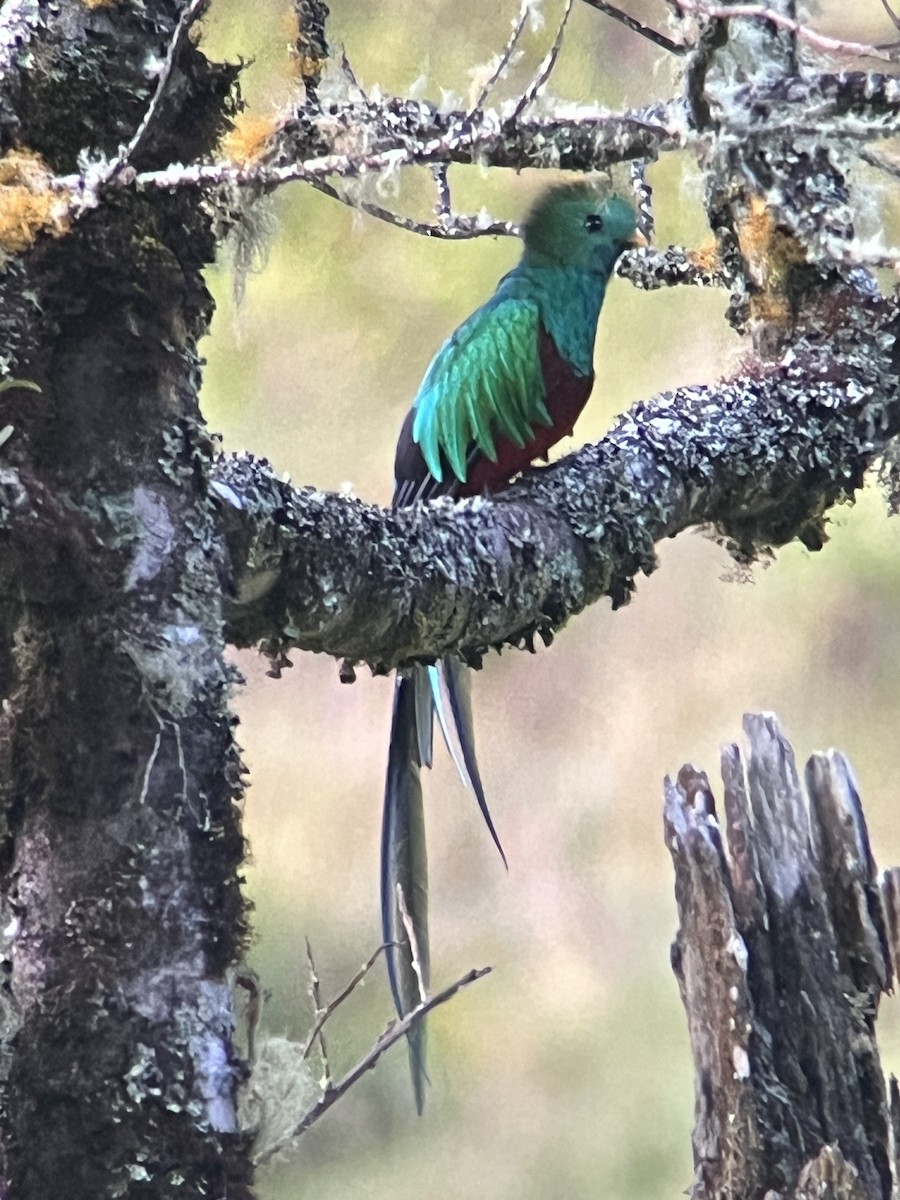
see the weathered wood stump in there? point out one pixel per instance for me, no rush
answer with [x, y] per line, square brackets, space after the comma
[782, 954]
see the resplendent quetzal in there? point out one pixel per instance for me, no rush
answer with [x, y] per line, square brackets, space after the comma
[504, 388]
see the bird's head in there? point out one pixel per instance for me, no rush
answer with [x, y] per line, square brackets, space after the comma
[577, 225]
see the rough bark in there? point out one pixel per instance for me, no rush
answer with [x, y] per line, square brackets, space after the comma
[120, 850]
[760, 459]
[121, 844]
[387, 133]
[781, 956]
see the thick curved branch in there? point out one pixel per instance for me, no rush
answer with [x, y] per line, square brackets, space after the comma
[760, 458]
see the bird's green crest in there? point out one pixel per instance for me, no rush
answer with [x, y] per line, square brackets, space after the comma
[578, 225]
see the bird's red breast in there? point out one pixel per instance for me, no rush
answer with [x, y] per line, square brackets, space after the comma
[566, 394]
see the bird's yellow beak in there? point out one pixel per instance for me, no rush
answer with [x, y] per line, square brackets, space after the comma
[639, 240]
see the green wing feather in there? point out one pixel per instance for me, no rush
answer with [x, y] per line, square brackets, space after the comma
[483, 383]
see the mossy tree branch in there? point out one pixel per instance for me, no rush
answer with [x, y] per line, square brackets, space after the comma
[760, 459]
[121, 846]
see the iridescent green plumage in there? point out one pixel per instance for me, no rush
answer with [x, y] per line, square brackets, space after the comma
[486, 380]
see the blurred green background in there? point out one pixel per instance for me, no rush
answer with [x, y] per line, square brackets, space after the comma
[566, 1072]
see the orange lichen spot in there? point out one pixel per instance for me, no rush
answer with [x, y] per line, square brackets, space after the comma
[770, 254]
[28, 204]
[768, 251]
[305, 66]
[290, 24]
[706, 258]
[770, 308]
[100, 3]
[756, 230]
[249, 138]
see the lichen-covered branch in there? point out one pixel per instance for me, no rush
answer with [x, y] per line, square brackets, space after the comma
[119, 842]
[773, 15]
[408, 131]
[760, 459]
[650, 269]
[782, 956]
[389, 133]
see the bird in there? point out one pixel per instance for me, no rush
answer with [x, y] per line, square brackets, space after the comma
[503, 389]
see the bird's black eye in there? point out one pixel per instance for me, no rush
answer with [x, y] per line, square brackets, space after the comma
[593, 223]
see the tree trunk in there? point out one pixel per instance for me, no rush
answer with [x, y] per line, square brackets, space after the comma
[119, 873]
[781, 957]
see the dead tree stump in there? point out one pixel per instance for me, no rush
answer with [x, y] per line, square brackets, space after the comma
[782, 955]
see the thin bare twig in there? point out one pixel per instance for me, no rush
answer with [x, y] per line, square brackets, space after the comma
[339, 999]
[320, 1017]
[759, 12]
[545, 70]
[452, 229]
[127, 153]
[350, 75]
[658, 39]
[895, 20]
[518, 27]
[248, 979]
[390, 1037]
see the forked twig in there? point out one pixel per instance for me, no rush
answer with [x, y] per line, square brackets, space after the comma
[127, 153]
[502, 63]
[448, 226]
[331, 1007]
[390, 1037]
[545, 70]
[451, 229]
[321, 1016]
